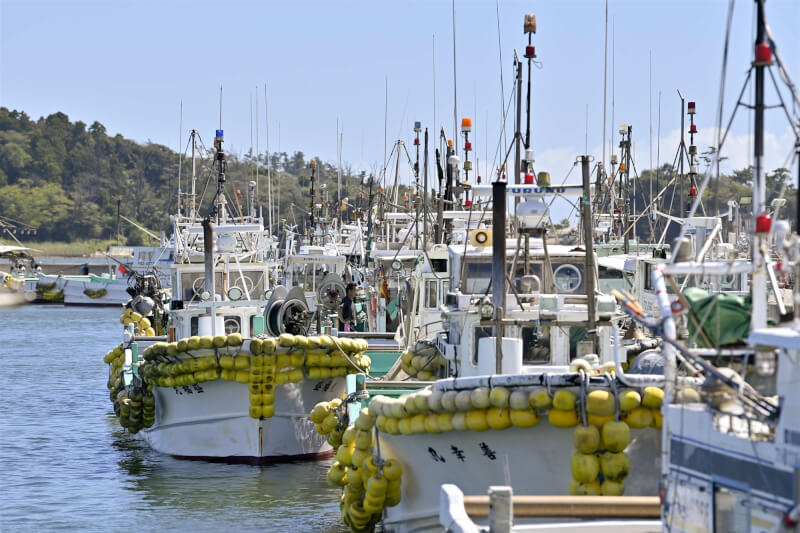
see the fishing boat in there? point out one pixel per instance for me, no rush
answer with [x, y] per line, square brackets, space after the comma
[213, 371]
[730, 452]
[111, 287]
[12, 283]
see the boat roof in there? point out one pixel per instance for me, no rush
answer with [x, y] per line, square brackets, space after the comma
[8, 250]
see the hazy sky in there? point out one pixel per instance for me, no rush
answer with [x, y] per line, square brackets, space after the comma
[130, 64]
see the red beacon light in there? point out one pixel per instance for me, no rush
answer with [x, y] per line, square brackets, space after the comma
[416, 141]
[693, 128]
[528, 179]
[692, 191]
[479, 179]
[467, 203]
[763, 223]
[691, 108]
[763, 54]
[467, 146]
[530, 52]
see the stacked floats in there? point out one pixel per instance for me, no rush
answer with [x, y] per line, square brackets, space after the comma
[136, 408]
[143, 323]
[260, 363]
[369, 483]
[424, 365]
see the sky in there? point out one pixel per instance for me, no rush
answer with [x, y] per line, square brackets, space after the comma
[326, 65]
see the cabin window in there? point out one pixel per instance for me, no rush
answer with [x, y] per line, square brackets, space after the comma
[233, 324]
[193, 283]
[536, 345]
[193, 326]
[479, 333]
[439, 265]
[611, 278]
[731, 512]
[478, 276]
[431, 294]
[445, 287]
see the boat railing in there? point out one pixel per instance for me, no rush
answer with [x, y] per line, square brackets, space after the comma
[580, 513]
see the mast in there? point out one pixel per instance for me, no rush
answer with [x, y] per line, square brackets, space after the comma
[192, 206]
[313, 165]
[589, 267]
[417, 129]
[518, 128]
[530, 53]
[759, 281]
[220, 203]
[425, 195]
[396, 188]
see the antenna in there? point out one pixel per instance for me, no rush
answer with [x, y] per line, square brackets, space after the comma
[613, 76]
[385, 123]
[180, 156]
[220, 107]
[455, 81]
[269, 161]
[605, 85]
[257, 149]
[502, 88]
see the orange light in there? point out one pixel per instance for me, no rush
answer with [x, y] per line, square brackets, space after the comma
[449, 143]
[313, 163]
[622, 167]
[466, 124]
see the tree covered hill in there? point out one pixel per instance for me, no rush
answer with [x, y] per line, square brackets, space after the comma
[64, 179]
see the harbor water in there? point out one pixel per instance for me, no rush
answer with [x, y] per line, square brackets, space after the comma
[66, 464]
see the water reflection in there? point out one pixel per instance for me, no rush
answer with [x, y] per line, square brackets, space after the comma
[66, 465]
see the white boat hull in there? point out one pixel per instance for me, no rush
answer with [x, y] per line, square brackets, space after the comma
[535, 461]
[11, 297]
[215, 424]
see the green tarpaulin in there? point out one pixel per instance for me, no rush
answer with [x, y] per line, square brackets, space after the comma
[728, 320]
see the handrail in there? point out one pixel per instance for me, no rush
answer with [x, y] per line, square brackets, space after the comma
[572, 506]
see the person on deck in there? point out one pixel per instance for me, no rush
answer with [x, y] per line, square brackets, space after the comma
[347, 315]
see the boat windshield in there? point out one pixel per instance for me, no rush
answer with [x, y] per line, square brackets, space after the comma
[611, 278]
[568, 277]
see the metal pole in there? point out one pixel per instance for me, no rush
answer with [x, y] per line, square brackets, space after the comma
[498, 348]
[680, 172]
[499, 265]
[192, 206]
[518, 129]
[425, 196]
[627, 206]
[589, 267]
[499, 243]
[397, 173]
[208, 244]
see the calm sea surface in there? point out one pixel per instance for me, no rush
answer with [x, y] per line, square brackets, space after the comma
[65, 464]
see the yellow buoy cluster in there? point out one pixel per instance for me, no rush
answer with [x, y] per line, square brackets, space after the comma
[260, 363]
[142, 323]
[433, 411]
[330, 419]
[422, 367]
[136, 409]
[600, 465]
[115, 358]
[369, 484]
